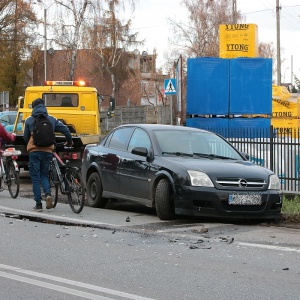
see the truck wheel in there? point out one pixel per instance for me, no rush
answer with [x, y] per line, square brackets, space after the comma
[164, 203]
[94, 191]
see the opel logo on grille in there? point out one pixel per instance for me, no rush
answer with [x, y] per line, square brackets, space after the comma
[243, 183]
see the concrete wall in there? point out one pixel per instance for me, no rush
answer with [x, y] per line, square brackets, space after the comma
[135, 115]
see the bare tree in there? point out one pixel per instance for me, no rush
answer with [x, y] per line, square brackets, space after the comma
[71, 15]
[150, 87]
[17, 22]
[199, 36]
[94, 25]
[267, 50]
[110, 37]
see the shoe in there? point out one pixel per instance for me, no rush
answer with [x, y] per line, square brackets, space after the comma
[49, 202]
[38, 207]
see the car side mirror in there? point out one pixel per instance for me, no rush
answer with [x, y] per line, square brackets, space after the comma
[142, 151]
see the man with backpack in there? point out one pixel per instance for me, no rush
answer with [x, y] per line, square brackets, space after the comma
[39, 136]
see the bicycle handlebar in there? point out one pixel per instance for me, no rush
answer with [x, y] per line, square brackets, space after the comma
[62, 146]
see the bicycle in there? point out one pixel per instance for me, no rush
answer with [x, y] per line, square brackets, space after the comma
[9, 170]
[68, 180]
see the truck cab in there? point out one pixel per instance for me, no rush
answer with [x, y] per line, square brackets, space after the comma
[73, 103]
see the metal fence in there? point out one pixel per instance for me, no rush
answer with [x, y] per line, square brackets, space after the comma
[265, 147]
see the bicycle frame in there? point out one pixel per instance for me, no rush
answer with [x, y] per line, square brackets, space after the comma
[10, 170]
[69, 181]
[3, 167]
[2, 171]
[61, 177]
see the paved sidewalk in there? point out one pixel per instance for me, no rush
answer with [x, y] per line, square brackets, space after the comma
[102, 218]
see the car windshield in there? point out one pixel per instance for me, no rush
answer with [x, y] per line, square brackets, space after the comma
[193, 143]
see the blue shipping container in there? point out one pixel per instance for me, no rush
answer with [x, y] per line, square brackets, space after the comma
[233, 128]
[249, 127]
[218, 125]
[207, 86]
[250, 86]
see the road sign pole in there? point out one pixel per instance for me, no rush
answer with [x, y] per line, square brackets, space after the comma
[171, 108]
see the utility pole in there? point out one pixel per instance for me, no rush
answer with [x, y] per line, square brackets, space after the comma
[292, 71]
[234, 11]
[45, 42]
[278, 43]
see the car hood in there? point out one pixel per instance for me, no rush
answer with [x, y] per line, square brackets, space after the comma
[222, 167]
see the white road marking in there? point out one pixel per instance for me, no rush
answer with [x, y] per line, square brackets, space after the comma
[66, 290]
[270, 247]
[53, 287]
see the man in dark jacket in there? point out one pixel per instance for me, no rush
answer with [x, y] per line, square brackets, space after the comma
[40, 157]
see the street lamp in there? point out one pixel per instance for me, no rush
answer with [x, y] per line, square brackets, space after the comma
[45, 35]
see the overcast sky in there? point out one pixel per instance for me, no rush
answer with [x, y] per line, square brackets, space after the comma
[151, 20]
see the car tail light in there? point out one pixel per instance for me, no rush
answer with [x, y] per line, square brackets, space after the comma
[70, 155]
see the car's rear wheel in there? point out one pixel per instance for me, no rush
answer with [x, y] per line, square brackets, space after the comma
[164, 203]
[94, 191]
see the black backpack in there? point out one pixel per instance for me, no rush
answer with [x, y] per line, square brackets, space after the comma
[43, 133]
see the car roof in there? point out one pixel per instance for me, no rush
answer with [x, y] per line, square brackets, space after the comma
[11, 112]
[163, 126]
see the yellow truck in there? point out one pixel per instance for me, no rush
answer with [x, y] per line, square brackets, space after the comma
[73, 103]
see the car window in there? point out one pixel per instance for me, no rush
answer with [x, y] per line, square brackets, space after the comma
[194, 142]
[5, 120]
[139, 138]
[119, 138]
[12, 118]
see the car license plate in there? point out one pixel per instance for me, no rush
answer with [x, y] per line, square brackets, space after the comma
[244, 199]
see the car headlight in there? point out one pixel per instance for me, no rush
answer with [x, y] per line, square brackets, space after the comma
[199, 179]
[274, 183]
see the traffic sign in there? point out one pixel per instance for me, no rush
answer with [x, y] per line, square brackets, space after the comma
[170, 86]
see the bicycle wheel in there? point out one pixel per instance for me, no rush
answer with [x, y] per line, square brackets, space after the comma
[76, 192]
[12, 178]
[54, 184]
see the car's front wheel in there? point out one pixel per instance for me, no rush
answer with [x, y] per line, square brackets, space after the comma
[94, 191]
[164, 203]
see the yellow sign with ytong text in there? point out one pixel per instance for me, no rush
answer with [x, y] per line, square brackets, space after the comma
[285, 112]
[238, 40]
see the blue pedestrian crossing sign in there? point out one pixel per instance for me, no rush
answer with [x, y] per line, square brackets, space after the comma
[170, 86]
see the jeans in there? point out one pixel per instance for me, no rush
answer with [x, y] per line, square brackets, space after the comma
[39, 169]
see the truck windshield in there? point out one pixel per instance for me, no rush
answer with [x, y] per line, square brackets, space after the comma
[61, 99]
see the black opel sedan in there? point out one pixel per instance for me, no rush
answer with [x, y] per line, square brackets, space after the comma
[179, 171]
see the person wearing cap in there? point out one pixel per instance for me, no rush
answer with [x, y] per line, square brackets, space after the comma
[40, 157]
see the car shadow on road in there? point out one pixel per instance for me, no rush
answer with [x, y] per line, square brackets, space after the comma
[140, 210]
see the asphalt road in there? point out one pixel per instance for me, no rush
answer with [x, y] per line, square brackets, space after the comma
[126, 252]
[48, 261]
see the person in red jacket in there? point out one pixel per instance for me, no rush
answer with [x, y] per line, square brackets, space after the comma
[5, 136]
